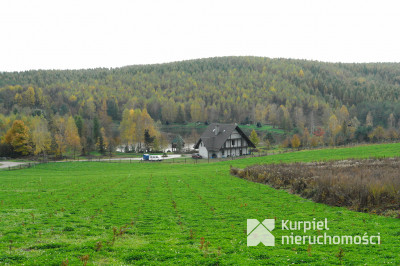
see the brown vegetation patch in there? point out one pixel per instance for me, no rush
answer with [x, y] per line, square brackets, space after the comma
[371, 185]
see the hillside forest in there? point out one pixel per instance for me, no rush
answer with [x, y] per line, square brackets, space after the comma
[51, 112]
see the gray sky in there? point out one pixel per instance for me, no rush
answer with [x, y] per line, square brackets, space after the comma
[70, 34]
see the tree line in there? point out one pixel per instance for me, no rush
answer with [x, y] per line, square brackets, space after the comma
[56, 135]
[345, 102]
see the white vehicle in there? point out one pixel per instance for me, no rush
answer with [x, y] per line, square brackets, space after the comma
[155, 158]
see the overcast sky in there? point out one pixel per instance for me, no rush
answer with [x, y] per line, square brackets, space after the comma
[71, 34]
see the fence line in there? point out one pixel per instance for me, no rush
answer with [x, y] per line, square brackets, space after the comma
[20, 166]
[178, 160]
[188, 160]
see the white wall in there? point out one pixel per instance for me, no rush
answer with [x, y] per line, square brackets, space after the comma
[239, 142]
[202, 150]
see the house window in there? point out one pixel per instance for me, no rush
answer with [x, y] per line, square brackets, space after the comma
[233, 142]
[223, 153]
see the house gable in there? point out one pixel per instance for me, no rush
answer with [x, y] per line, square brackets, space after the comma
[214, 138]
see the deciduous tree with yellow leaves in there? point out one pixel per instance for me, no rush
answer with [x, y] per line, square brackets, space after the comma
[133, 126]
[254, 138]
[18, 136]
[295, 141]
[41, 136]
[71, 135]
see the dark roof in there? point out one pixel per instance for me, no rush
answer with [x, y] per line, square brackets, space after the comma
[178, 139]
[214, 142]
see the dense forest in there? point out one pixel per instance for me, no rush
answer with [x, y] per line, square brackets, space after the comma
[321, 103]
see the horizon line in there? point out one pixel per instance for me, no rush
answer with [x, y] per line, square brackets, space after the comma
[195, 59]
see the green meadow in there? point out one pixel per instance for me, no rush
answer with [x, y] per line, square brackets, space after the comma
[150, 213]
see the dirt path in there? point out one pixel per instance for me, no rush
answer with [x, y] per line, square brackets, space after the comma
[9, 164]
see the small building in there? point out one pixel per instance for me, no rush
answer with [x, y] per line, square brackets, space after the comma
[223, 140]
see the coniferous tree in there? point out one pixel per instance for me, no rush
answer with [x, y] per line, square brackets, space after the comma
[79, 124]
[148, 140]
[101, 145]
[96, 129]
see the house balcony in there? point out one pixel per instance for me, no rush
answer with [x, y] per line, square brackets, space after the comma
[235, 147]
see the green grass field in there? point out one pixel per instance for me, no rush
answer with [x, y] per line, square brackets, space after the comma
[149, 213]
[265, 128]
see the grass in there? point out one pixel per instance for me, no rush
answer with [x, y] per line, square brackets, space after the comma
[120, 213]
[364, 151]
[264, 128]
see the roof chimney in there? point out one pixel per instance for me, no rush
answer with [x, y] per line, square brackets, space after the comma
[216, 130]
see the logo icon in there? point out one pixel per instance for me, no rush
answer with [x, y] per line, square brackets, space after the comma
[260, 232]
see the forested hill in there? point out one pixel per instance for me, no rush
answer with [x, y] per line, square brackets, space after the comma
[283, 92]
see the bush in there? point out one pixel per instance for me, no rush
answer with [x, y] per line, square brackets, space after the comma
[6, 150]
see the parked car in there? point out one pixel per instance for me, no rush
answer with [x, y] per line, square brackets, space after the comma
[197, 156]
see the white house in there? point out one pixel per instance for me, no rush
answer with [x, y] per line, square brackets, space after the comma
[223, 140]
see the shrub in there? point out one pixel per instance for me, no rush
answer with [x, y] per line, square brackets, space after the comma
[369, 185]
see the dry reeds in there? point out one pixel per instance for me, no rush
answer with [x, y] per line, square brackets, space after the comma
[371, 185]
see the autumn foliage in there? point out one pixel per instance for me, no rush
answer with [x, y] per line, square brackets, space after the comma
[19, 138]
